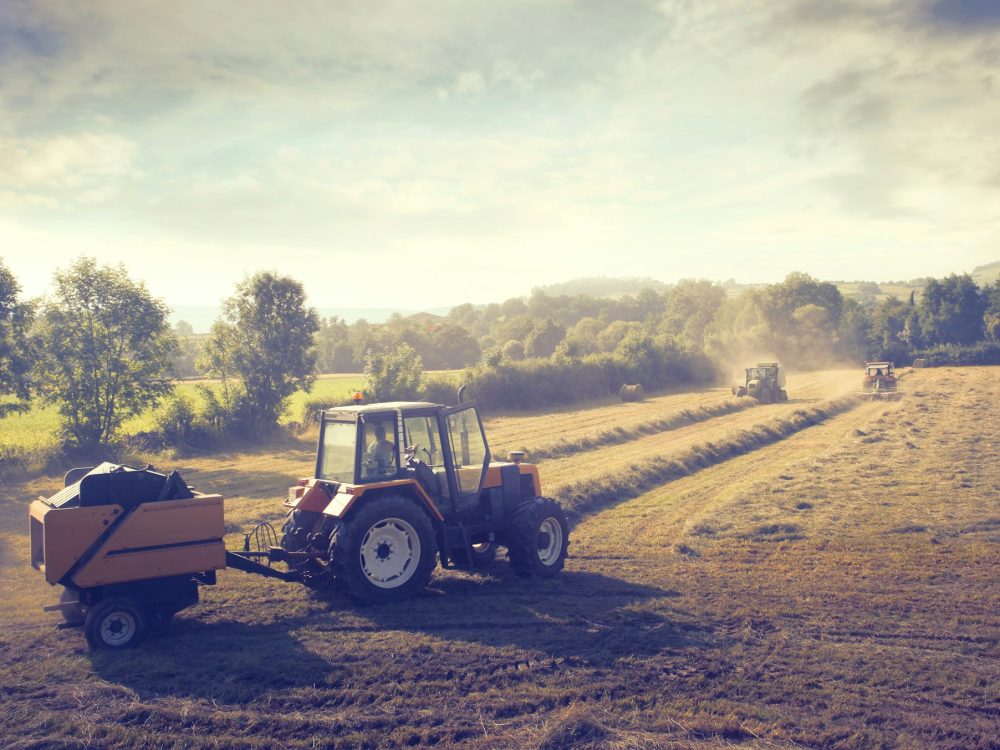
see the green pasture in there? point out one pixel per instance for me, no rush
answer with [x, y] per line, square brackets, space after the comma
[36, 431]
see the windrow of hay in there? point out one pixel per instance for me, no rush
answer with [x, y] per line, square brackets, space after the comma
[590, 495]
[618, 435]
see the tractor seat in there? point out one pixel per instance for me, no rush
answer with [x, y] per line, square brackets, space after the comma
[424, 475]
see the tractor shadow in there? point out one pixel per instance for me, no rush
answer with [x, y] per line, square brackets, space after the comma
[578, 616]
[227, 662]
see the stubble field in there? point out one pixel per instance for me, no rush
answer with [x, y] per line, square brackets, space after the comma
[821, 573]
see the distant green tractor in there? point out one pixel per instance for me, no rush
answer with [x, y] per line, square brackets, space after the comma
[765, 382]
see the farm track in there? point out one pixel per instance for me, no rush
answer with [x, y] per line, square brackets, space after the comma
[834, 586]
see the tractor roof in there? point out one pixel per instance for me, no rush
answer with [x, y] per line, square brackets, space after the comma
[383, 406]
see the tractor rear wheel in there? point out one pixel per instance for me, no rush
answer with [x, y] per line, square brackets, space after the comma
[539, 538]
[115, 623]
[386, 551]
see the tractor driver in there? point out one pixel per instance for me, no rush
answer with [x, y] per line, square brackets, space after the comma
[383, 451]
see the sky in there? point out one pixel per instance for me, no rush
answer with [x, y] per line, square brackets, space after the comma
[416, 155]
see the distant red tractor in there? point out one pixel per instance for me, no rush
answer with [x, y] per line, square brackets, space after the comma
[879, 381]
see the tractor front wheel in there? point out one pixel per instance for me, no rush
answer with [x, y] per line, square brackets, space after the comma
[484, 553]
[539, 538]
[386, 551]
[115, 623]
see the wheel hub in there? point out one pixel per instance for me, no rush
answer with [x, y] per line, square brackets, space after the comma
[550, 541]
[117, 628]
[389, 553]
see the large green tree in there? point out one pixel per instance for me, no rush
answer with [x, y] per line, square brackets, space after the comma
[15, 352]
[951, 311]
[105, 350]
[265, 341]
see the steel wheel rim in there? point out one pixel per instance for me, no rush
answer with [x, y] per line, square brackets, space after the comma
[550, 540]
[389, 553]
[117, 628]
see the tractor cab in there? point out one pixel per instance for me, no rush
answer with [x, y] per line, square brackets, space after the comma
[879, 380]
[765, 382]
[387, 472]
[880, 370]
[442, 449]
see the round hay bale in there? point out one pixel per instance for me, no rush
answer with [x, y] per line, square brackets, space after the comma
[921, 362]
[632, 392]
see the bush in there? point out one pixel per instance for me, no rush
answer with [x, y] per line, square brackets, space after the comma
[535, 383]
[983, 353]
[174, 421]
[439, 391]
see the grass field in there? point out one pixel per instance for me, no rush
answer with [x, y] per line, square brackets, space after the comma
[35, 433]
[823, 574]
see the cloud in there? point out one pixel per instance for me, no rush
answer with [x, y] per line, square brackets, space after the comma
[41, 171]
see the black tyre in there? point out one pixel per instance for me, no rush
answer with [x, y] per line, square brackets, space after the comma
[69, 605]
[782, 395]
[386, 550]
[115, 623]
[539, 538]
[296, 536]
[483, 553]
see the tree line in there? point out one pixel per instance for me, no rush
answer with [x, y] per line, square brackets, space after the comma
[100, 347]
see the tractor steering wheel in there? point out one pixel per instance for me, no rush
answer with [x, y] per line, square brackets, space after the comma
[411, 451]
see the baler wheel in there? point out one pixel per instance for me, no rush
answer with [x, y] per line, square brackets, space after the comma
[115, 623]
[539, 538]
[385, 552]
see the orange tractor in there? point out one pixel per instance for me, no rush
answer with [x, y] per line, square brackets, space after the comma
[131, 547]
[879, 381]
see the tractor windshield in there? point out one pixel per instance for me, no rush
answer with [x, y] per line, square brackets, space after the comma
[337, 451]
[759, 373]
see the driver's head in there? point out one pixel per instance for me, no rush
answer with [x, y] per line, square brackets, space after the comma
[379, 432]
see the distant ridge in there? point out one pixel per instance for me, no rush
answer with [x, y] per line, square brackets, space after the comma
[987, 274]
[602, 286]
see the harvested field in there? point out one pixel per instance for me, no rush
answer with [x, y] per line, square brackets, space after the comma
[830, 584]
[574, 429]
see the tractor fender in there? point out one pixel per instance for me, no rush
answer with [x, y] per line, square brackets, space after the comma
[342, 503]
[312, 495]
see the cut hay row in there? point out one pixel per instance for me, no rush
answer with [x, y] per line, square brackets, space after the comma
[617, 435]
[586, 496]
[543, 429]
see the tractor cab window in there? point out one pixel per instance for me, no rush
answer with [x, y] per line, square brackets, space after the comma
[380, 459]
[421, 434]
[338, 443]
[468, 449]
